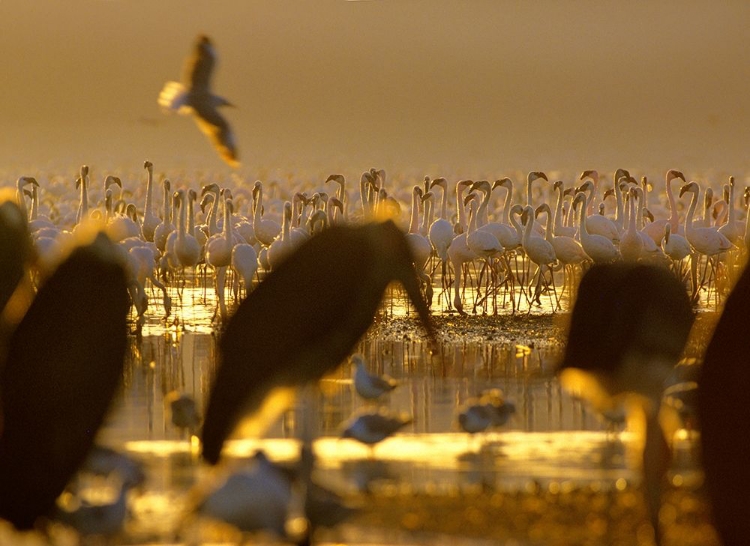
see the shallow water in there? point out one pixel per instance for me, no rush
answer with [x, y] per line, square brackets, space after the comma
[554, 443]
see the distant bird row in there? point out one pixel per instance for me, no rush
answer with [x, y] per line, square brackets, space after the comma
[520, 260]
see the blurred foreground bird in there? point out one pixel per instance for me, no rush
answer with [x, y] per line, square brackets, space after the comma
[490, 410]
[369, 386]
[62, 366]
[184, 411]
[724, 415]
[194, 97]
[16, 249]
[303, 320]
[627, 332]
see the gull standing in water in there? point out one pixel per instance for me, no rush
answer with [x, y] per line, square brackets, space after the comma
[194, 97]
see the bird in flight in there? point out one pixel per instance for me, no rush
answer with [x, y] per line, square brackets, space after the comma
[194, 97]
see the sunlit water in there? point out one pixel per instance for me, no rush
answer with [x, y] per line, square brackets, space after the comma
[553, 441]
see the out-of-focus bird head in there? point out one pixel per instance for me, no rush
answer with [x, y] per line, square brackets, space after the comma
[397, 263]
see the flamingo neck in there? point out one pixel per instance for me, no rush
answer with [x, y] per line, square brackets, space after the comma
[414, 223]
[507, 205]
[691, 211]
[557, 221]
[149, 192]
[674, 220]
[182, 223]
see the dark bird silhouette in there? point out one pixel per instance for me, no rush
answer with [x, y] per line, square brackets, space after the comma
[628, 330]
[64, 362]
[194, 96]
[724, 416]
[304, 319]
[16, 249]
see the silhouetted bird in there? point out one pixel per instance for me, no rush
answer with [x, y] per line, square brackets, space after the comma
[303, 320]
[64, 363]
[194, 97]
[627, 331]
[724, 416]
[16, 249]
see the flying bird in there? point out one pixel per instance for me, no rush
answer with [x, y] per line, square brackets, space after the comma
[303, 320]
[194, 96]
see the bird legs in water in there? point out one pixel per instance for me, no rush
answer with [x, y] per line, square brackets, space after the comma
[219, 286]
[493, 285]
[446, 281]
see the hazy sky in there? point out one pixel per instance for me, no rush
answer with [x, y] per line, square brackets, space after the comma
[489, 84]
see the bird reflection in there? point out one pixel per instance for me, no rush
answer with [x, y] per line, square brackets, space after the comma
[194, 97]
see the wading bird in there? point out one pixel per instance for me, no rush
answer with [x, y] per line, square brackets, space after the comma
[194, 97]
[723, 413]
[627, 331]
[55, 393]
[369, 386]
[338, 277]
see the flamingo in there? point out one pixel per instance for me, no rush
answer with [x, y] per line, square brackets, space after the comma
[631, 244]
[341, 194]
[245, 265]
[441, 231]
[82, 184]
[568, 251]
[187, 250]
[219, 256]
[597, 224]
[655, 229]
[166, 226]
[599, 248]
[483, 244]
[283, 245]
[150, 220]
[733, 229]
[707, 241]
[538, 250]
[676, 247]
[266, 230]
[559, 228]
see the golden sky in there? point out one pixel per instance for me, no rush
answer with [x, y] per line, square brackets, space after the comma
[485, 84]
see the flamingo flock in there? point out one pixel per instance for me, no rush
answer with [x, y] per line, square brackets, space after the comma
[284, 271]
[473, 252]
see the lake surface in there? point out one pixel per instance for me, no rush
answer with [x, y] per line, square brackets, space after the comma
[553, 445]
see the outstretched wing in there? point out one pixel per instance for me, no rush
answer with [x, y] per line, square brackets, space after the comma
[174, 96]
[200, 64]
[218, 131]
[64, 364]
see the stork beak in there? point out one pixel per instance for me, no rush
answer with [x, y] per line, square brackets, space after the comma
[395, 244]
